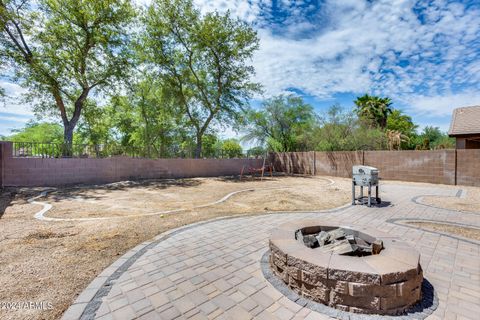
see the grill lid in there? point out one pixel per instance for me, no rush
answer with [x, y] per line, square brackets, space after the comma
[364, 170]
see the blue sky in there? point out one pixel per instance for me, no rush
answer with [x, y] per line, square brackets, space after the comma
[425, 55]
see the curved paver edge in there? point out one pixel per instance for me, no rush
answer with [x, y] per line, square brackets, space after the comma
[417, 200]
[108, 275]
[460, 238]
[89, 300]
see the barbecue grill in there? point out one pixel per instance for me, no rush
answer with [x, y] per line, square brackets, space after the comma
[365, 176]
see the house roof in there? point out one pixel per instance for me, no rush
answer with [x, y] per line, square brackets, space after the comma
[465, 120]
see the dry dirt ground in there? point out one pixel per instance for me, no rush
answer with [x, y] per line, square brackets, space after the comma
[471, 201]
[470, 233]
[52, 262]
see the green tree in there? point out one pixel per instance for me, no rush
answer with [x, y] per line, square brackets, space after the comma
[96, 126]
[373, 110]
[444, 142]
[38, 132]
[283, 124]
[335, 131]
[231, 148]
[431, 133]
[433, 138]
[400, 122]
[342, 131]
[210, 145]
[2, 66]
[257, 151]
[63, 50]
[147, 119]
[202, 59]
[2, 95]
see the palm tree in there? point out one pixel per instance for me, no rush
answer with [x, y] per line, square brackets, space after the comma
[374, 110]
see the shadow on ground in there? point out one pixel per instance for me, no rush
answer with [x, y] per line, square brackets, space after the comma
[257, 177]
[6, 198]
[384, 204]
[94, 192]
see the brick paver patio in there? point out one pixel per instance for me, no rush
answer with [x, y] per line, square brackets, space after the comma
[212, 270]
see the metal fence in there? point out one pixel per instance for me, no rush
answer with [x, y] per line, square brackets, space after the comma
[59, 150]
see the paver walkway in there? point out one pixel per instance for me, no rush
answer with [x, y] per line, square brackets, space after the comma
[212, 270]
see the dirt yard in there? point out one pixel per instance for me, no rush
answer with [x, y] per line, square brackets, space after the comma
[53, 261]
[471, 201]
[470, 233]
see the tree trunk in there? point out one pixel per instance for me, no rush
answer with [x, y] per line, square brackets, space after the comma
[69, 125]
[198, 147]
[67, 150]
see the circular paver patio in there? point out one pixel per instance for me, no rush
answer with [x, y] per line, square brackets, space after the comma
[212, 270]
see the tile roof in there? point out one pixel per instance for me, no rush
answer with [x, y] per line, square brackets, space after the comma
[465, 120]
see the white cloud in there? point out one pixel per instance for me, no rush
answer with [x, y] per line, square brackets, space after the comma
[438, 106]
[423, 53]
[245, 10]
[13, 118]
[381, 47]
[13, 102]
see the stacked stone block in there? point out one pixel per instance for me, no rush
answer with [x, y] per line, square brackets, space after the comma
[358, 288]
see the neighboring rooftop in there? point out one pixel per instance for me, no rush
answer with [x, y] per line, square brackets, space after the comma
[465, 120]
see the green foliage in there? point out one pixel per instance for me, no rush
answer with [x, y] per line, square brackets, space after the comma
[193, 77]
[231, 148]
[431, 133]
[210, 144]
[202, 61]
[63, 50]
[373, 110]
[444, 142]
[342, 131]
[38, 132]
[398, 121]
[146, 118]
[282, 124]
[96, 127]
[257, 151]
[433, 138]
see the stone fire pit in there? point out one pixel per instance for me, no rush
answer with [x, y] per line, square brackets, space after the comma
[387, 281]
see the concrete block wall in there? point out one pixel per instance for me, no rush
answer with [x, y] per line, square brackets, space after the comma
[452, 167]
[433, 166]
[293, 162]
[439, 166]
[65, 171]
[468, 167]
[338, 164]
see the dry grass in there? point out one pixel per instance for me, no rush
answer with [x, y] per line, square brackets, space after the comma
[54, 261]
[470, 203]
[471, 233]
